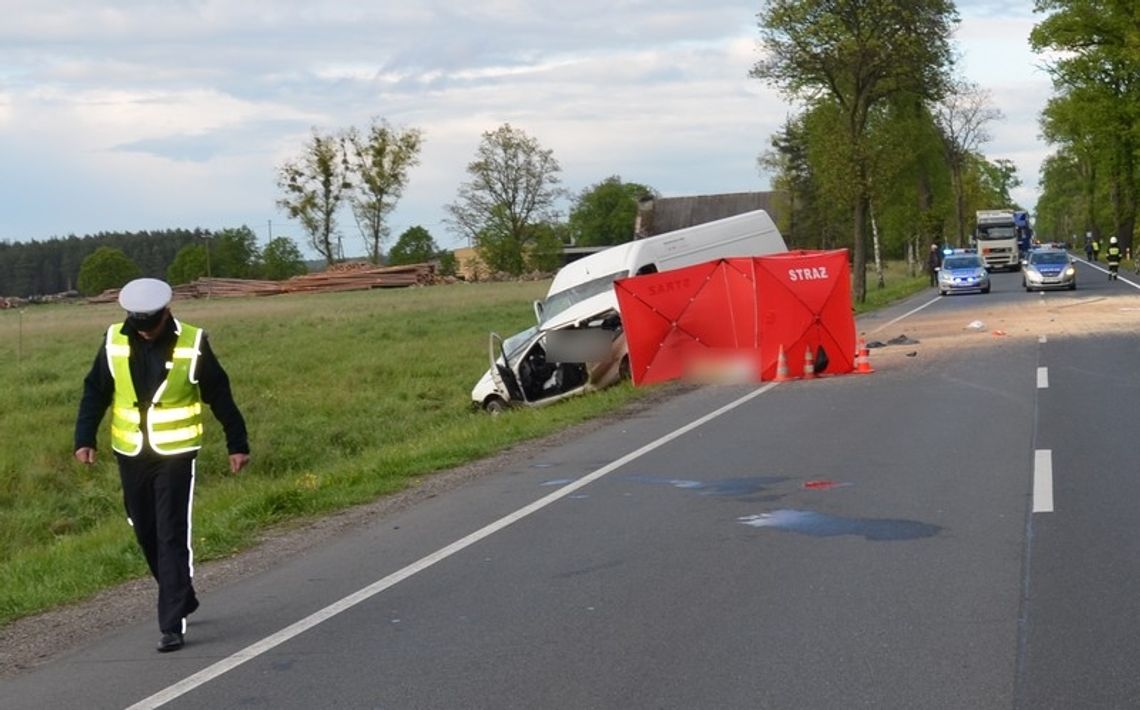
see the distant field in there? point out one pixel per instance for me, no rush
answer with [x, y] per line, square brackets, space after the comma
[347, 396]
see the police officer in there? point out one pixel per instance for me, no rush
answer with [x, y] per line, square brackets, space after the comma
[1113, 256]
[155, 372]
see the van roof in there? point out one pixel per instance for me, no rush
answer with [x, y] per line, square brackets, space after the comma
[756, 232]
[583, 288]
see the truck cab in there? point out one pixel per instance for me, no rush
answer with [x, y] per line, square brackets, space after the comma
[996, 239]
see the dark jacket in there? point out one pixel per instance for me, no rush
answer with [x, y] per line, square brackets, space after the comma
[148, 370]
[934, 259]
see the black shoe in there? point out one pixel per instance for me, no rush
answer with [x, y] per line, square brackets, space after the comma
[171, 641]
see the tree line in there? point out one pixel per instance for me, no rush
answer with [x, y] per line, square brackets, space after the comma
[884, 154]
[506, 208]
[52, 266]
[97, 262]
[1090, 182]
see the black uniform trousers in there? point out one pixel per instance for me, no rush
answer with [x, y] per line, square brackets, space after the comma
[158, 493]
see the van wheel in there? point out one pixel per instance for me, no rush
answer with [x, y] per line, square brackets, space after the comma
[494, 406]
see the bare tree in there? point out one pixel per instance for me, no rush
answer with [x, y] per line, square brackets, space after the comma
[314, 186]
[961, 116]
[380, 162]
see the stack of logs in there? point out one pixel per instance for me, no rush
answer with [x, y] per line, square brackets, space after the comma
[350, 276]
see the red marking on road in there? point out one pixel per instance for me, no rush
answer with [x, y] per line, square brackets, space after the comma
[819, 485]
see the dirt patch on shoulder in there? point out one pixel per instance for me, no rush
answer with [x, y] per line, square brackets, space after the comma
[1044, 315]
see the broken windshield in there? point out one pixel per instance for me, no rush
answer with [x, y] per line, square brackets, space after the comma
[562, 300]
[516, 342]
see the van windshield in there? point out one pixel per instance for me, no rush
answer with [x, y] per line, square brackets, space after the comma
[562, 300]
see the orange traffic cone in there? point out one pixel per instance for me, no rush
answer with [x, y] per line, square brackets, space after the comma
[809, 364]
[863, 359]
[782, 366]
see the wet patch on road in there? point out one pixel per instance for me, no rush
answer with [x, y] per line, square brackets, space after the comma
[807, 522]
[748, 486]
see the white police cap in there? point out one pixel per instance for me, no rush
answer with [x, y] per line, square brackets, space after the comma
[145, 296]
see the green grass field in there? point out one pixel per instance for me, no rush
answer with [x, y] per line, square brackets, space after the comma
[347, 397]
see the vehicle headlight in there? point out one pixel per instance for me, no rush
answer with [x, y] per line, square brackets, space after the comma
[945, 275]
[1071, 271]
[1032, 274]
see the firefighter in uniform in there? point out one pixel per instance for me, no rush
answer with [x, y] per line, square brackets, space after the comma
[155, 373]
[1113, 257]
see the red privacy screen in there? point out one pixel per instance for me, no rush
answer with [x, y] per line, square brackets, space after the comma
[739, 313]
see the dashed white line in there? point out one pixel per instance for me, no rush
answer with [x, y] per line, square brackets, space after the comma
[1043, 481]
[1042, 378]
[1043, 340]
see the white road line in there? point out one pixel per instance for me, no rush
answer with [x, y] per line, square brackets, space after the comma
[1042, 378]
[906, 315]
[253, 651]
[1043, 481]
[1105, 271]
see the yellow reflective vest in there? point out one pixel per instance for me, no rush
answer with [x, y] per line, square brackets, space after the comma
[173, 421]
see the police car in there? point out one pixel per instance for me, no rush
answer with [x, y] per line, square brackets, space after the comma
[963, 270]
[1048, 268]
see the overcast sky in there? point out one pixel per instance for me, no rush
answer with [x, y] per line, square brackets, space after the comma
[155, 114]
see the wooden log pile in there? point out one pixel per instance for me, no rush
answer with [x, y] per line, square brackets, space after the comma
[353, 277]
[350, 276]
[221, 287]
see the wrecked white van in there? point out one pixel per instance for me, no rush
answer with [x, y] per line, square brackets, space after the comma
[578, 344]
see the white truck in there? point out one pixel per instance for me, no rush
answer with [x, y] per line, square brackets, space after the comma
[996, 239]
[578, 344]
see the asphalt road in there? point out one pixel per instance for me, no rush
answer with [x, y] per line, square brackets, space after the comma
[878, 541]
